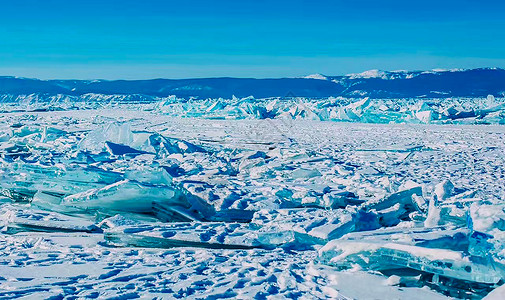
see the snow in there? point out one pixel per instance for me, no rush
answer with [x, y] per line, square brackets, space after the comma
[497, 294]
[368, 74]
[316, 76]
[249, 198]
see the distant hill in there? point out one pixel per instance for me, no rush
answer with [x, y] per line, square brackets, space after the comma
[374, 84]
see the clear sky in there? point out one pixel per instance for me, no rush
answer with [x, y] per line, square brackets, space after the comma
[179, 39]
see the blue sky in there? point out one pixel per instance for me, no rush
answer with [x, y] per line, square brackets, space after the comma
[180, 39]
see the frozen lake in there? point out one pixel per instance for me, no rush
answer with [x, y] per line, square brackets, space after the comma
[127, 202]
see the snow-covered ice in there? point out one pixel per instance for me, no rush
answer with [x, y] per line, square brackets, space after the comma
[253, 198]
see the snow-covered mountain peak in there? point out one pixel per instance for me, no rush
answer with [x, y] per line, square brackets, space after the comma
[316, 76]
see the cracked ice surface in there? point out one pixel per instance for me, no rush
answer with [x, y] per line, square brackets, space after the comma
[126, 203]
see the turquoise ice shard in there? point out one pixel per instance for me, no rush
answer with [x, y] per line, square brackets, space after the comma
[118, 149]
[404, 198]
[125, 195]
[322, 225]
[20, 195]
[112, 132]
[387, 256]
[335, 199]
[305, 173]
[355, 110]
[119, 139]
[205, 235]
[397, 206]
[54, 179]
[16, 219]
[447, 259]
[449, 205]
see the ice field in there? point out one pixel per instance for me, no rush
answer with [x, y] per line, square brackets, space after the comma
[330, 198]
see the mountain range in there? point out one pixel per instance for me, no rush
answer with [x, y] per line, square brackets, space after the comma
[374, 84]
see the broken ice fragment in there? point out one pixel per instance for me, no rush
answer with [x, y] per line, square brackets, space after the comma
[487, 217]
[125, 195]
[384, 256]
[15, 151]
[424, 116]
[323, 225]
[118, 149]
[205, 235]
[305, 173]
[402, 197]
[18, 220]
[174, 212]
[450, 260]
[433, 218]
[232, 215]
[396, 207]
[334, 230]
[335, 199]
[444, 190]
[20, 195]
[120, 139]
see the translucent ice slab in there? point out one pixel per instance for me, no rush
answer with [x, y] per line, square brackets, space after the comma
[206, 235]
[16, 219]
[455, 261]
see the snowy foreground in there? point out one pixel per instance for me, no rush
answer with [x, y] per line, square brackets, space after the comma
[127, 202]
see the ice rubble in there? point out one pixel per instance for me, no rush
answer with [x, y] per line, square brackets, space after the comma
[443, 111]
[145, 188]
[488, 110]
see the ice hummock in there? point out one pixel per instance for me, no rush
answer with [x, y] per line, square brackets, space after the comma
[425, 111]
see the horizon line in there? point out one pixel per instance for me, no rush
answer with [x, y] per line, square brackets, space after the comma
[281, 77]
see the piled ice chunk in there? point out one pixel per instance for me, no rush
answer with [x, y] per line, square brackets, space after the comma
[207, 235]
[15, 219]
[444, 251]
[489, 111]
